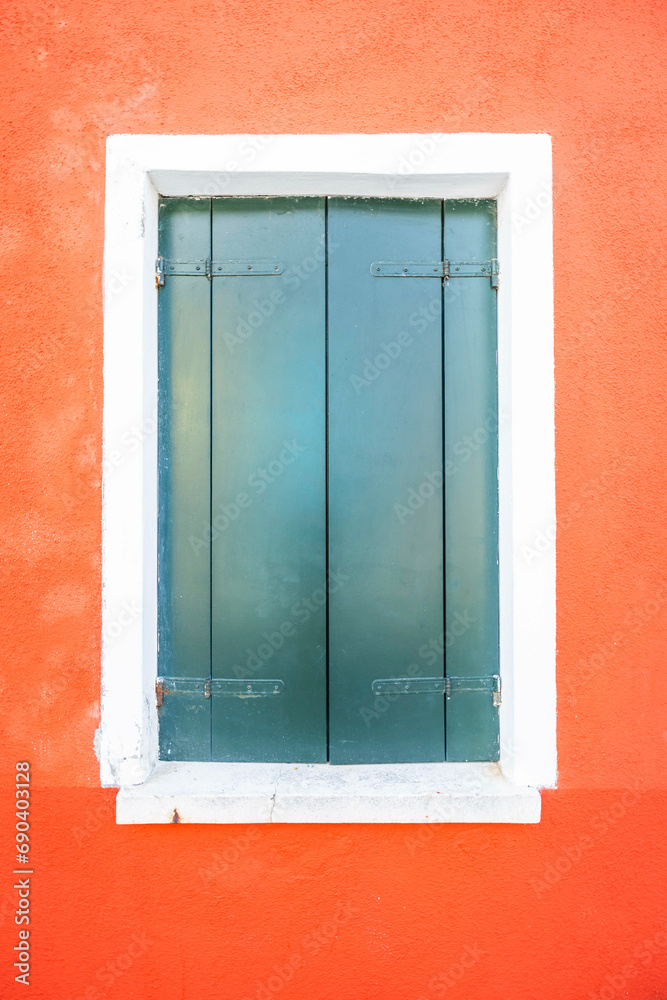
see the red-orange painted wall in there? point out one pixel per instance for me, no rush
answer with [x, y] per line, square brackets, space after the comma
[572, 908]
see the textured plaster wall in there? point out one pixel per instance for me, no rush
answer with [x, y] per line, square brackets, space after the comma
[572, 908]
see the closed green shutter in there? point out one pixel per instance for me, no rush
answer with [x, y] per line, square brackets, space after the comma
[328, 445]
[471, 482]
[385, 438]
[268, 560]
[184, 469]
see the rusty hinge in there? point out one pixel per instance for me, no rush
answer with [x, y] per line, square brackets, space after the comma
[181, 685]
[206, 687]
[448, 686]
[207, 268]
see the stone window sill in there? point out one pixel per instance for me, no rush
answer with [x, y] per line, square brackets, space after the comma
[321, 793]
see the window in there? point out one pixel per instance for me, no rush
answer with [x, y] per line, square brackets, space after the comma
[328, 430]
[511, 171]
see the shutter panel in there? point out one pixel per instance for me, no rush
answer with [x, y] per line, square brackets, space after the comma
[244, 535]
[471, 481]
[385, 441]
[268, 480]
[184, 308]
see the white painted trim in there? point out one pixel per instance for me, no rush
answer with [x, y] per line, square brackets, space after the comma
[320, 793]
[515, 169]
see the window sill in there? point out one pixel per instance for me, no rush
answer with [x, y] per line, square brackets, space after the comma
[320, 793]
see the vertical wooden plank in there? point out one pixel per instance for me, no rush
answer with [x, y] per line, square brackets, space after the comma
[385, 476]
[471, 481]
[268, 486]
[184, 318]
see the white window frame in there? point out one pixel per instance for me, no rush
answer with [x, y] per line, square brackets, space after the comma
[515, 170]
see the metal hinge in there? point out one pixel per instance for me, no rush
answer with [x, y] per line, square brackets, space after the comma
[207, 268]
[448, 686]
[437, 269]
[225, 687]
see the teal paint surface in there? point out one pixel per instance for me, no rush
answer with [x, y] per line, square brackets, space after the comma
[184, 417]
[385, 441]
[411, 437]
[268, 546]
[471, 481]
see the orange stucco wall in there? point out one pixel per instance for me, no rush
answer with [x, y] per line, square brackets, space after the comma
[572, 908]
